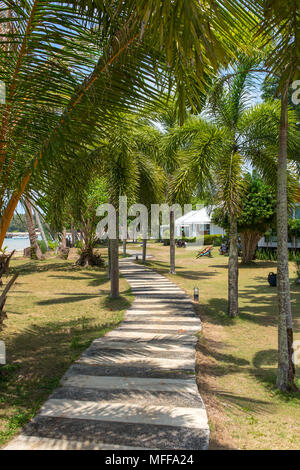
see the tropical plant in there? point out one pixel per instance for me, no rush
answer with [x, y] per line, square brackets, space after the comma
[256, 217]
[294, 230]
[167, 119]
[130, 169]
[74, 200]
[18, 223]
[297, 265]
[215, 152]
[99, 59]
[279, 26]
[35, 250]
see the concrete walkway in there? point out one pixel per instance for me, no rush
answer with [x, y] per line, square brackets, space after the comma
[135, 387]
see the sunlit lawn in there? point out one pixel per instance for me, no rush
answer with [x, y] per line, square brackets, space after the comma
[54, 312]
[237, 358]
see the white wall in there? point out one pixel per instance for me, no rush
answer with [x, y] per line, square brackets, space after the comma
[215, 230]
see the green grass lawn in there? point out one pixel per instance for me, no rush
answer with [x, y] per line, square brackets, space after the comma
[237, 358]
[54, 312]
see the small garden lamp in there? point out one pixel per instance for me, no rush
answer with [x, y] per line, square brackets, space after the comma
[136, 257]
[196, 294]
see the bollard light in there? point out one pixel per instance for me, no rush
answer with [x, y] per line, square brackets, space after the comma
[136, 257]
[196, 294]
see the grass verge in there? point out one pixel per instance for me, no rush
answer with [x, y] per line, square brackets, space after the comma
[54, 312]
[237, 358]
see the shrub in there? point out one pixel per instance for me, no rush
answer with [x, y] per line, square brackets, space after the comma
[214, 240]
[266, 254]
[53, 245]
[297, 263]
[43, 246]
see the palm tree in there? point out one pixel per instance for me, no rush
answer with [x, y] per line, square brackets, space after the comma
[279, 27]
[40, 226]
[216, 152]
[74, 84]
[35, 251]
[74, 200]
[152, 178]
[130, 169]
[167, 119]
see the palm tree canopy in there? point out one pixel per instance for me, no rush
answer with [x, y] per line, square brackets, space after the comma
[215, 152]
[71, 67]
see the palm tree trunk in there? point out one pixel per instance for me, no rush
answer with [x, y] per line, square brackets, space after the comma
[286, 368]
[108, 258]
[172, 242]
[114, 264]
[144, 250]
[114, 269]
[40, 226]
[233, 269]
[64, 239]
[124, 247]
[35, 251]
[73, 236]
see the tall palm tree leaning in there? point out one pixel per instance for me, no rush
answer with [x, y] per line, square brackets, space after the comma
[280, 27]
[215, 152]
[35, 251]
[40, 226]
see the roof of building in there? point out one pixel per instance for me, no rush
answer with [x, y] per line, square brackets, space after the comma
[195, 217]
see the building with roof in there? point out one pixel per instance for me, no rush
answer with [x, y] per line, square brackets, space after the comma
[194, 224]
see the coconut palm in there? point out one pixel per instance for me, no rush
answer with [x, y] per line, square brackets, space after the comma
[99, 59]
[130, 169]
[279, 25]
[216, 152]
[35, 251]
[166, 119]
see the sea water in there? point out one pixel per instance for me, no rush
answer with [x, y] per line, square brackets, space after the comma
[16, 243]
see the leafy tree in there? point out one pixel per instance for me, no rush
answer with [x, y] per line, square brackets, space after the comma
[257, 215]
[294, 230]
[215, 152]
[18, 223]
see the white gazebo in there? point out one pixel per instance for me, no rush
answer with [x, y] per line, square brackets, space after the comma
[194, 224]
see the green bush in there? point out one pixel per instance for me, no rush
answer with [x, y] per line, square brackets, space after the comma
[188, 240]
[267, 254]
[297, 263]
[53, 245]
[42, 246]
[214, 240]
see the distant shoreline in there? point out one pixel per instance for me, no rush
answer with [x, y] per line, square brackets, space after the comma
[18, 242]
